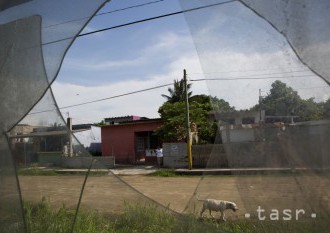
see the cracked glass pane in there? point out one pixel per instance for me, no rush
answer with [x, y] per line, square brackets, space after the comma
[268, 60]
[33, 41]
[265, 65]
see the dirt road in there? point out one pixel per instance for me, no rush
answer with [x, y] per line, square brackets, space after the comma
[109, 193]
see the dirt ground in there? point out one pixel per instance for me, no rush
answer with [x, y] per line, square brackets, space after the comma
[108, 194]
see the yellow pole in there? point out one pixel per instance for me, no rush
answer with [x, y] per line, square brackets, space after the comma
[187, 121]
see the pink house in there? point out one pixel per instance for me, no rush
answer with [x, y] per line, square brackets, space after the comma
[129, 141]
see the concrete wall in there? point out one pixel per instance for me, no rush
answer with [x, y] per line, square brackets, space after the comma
[299, 146]
[235, 155]
[238, 135]
[210, 155]
[50, 158]
[175, 155]
[58, 160]
[309, 144]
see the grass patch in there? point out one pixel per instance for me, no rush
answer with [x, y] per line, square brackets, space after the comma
[256, 226]
[164, 173]
[41, 217]
[152, 219]
[137, 218]
[35, 171]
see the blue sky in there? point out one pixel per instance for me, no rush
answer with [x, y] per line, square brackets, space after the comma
[120, 54]
[126, 59]
[226, 41]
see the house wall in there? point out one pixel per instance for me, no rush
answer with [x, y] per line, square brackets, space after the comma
[298, 146]
[237, 135]
[120, 140]
[175, 155]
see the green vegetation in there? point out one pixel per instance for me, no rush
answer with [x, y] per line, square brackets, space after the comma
[137, 218]
[281, 101]
[177, 93]
[200, 106]
[285, 101]
[150, 218]
[35, 171]
[164, 173]
[256, 226]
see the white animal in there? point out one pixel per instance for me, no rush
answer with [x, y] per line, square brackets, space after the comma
[217, 205]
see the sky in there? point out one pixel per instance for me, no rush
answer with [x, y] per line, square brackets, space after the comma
[221, 42]
[124, 60]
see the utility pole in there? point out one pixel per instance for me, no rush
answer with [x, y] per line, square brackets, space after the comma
[260, 106]
[69, 125]
[187, 121]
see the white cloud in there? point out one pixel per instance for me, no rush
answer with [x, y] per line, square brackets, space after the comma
[141, 104]
[163, 48]
[180, 54]
[223, 52]
[169, 42]
[281, 65]
[241, 94]
[232, 42]
[97, 65]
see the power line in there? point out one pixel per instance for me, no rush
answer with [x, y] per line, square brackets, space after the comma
[242, 78]
[165, 85]
[103, 99]
[253, 70]
[156, 17]
[140, 21]
[278, 73]
[105, 13]
[303, 88]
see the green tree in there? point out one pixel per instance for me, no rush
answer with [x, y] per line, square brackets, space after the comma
[200, 107]
[285, 101]
[282, 100]
[101, 123]
[220, 105]
[177, 93]
[326, 109]
[309, 110]
[174, 127]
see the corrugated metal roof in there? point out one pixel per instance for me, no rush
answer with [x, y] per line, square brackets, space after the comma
[135, 122]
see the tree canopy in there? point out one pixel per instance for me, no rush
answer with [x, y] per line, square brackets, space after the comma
[326, 109]
[200, 107]
[284, 101]
[281, 101]
[177, 93]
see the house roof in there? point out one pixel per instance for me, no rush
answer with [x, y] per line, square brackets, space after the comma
[133, 117]
[82, 126]
[135, 122]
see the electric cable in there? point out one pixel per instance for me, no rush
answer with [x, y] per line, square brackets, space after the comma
[105, 13]
[139, 21]
[103, 99]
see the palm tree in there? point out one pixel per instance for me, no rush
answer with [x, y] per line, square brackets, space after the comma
[177, 93]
